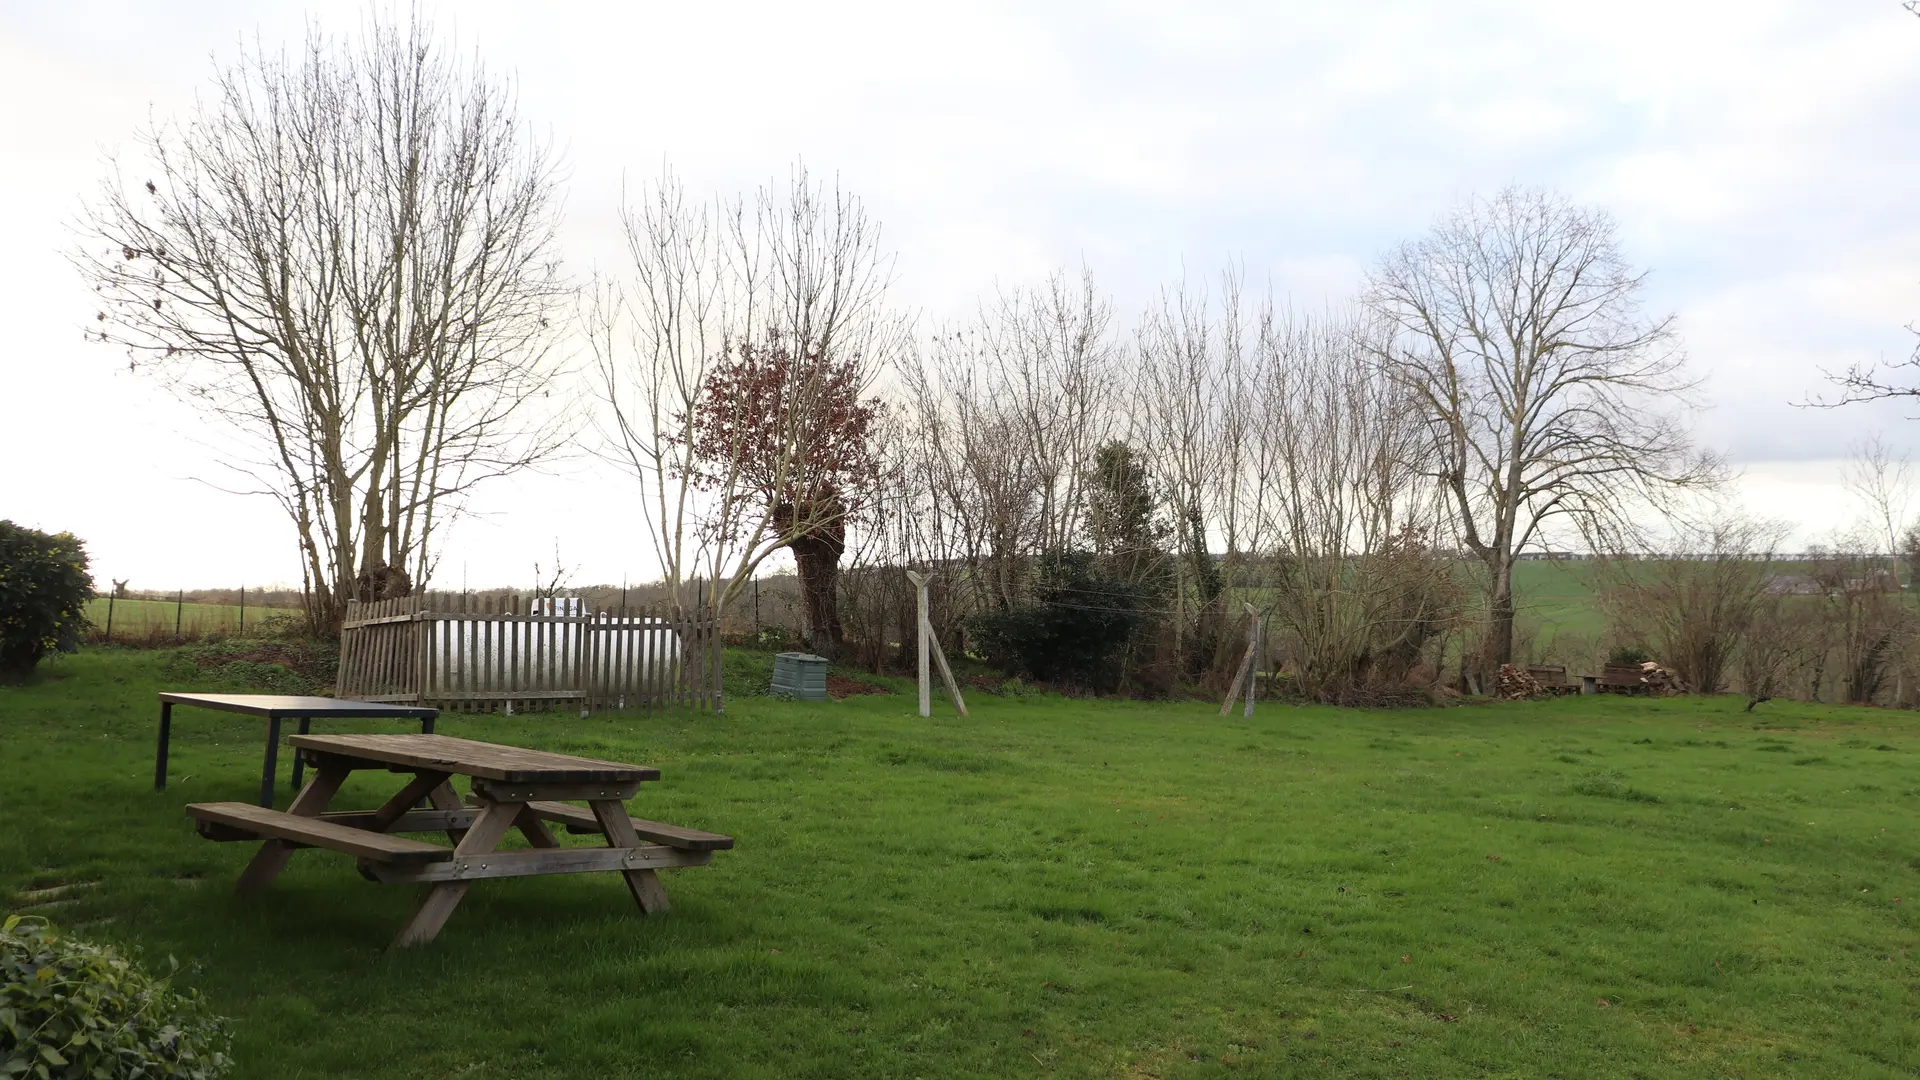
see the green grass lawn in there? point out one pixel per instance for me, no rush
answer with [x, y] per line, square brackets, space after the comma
[1580, 888]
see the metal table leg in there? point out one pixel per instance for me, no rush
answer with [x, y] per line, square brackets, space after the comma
[273, 751]
[300, 763]
[160, 754]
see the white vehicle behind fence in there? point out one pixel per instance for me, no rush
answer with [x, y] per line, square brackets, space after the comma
[491, 652]
[556, 651]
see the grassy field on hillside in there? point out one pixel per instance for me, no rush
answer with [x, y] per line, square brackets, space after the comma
[139, 617]
[1580, 888]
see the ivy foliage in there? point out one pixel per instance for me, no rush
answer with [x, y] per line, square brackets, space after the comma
[71, 1010]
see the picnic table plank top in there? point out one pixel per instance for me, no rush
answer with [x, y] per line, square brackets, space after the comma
[468, 757]
[285, 705]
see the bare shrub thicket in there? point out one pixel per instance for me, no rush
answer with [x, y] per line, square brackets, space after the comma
[1695, 605]
[1869, 626]
[1356, 591]
[1785, 648]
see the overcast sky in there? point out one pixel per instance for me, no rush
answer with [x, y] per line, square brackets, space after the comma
[1759, 157]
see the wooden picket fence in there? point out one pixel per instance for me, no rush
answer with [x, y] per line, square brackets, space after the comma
[513, 654]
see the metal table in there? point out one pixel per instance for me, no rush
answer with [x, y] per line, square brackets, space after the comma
[275, 708]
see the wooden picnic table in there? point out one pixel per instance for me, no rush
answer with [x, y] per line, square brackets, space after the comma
[512, 788]
[274, 708]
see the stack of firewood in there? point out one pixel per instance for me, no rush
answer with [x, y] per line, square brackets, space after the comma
[1516, 684]
[1659, 680]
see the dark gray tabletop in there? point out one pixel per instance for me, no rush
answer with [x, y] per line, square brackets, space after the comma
[274, 706]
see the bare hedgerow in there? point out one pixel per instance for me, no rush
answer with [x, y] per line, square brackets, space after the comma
[1357, 590]
[1866, 618]
[1694, 605]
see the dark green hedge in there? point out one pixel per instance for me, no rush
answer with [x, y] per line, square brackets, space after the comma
[44, 589]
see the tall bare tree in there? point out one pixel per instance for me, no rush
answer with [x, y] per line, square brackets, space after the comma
[1178, 409]
[720, 290]
[1882, 479]
[346, 257]
[1550, 395]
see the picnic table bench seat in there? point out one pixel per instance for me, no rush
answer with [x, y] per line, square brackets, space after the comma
[580, 820]
[245, 821]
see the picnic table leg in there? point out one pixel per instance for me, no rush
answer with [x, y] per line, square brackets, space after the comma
[407, 798]
[426, 725]
[535, 830]
[160, 754]
[443, 798]
[300, 763]
[443, 897]
[643, 884]
[272, 766]
[273, 855]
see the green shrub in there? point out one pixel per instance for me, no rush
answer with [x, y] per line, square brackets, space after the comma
[44, 589]
[1076, 631]
[69, 1009]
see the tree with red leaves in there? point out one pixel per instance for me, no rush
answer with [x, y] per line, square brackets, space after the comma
[790, 427]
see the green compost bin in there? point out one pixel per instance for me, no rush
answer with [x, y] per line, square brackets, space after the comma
[798, 675]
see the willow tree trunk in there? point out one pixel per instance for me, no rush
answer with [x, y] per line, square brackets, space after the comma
[817, 548]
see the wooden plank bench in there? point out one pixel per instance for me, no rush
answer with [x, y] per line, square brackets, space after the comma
[254, 822]
[580, 820]
[1620, 679]
[413, 821]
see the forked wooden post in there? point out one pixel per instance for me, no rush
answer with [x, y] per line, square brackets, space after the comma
[920, 630]
[930, 648]
[1245, 673]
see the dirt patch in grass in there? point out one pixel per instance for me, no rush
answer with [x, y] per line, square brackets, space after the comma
[839, 686]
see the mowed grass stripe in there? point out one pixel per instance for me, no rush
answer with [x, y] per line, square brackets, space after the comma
[1584, 887]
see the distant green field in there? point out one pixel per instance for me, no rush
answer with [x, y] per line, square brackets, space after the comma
[142, 617]
[1557, 606]
[1560, 617]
